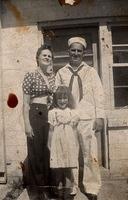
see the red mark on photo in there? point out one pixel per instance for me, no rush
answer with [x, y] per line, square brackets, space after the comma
[12, 100]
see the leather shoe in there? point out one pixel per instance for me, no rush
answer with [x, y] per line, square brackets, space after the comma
[91, 196]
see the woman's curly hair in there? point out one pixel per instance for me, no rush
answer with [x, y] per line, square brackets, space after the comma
[43, 47]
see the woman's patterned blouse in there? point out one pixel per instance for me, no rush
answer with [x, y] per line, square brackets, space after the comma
[35, 85]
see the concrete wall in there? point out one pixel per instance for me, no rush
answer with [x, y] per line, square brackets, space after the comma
[118, 151]
[18, 56]
[2, 138]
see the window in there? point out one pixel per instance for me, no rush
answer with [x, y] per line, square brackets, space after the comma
[120, 65]
[58, 38]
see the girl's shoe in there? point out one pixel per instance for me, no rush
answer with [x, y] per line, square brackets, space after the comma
[91, 196]
[60, 187]
[74, 191]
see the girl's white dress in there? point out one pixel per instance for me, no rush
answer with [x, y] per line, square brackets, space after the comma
[64, 142]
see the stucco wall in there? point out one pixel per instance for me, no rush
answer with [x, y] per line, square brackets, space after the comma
[118, 151]
[18, 56]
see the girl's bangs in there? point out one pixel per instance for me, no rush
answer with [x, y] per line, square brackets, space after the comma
[62, 92]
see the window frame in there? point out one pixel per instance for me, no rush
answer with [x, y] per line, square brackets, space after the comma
[117, 117]
[116, 65]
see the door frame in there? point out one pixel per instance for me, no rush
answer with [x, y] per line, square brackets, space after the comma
[97, 49]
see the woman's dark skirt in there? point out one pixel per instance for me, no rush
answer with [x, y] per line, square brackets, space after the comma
[38, 152]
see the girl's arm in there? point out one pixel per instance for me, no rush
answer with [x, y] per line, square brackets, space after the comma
[26, 108]
[51, 129]
[74, 118]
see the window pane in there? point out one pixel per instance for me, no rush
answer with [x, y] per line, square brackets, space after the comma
[62, 61]
[60, 45]
[120, 54]
[120, 76]
[58, 38]
[120, 35]
[120, 44]
[121, 97]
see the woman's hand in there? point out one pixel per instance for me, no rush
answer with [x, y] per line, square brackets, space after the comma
[28, 131]
[49, 101]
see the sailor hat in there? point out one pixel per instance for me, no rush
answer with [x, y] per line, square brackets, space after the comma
[77, 40]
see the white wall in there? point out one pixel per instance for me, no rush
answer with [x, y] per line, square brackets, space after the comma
[19, 46]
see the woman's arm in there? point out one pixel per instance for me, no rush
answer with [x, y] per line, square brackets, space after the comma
[26, 107]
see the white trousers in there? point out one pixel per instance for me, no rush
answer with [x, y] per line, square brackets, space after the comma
[88, 144]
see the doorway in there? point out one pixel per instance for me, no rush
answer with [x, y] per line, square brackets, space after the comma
[58, 37]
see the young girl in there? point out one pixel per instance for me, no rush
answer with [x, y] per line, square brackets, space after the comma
[63, 141]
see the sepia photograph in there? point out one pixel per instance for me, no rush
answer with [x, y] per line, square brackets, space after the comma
[64, 100]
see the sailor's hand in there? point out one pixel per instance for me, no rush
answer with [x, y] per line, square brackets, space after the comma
[98, 125]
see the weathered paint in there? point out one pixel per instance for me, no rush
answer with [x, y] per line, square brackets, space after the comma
[48, 10]
[17, 15]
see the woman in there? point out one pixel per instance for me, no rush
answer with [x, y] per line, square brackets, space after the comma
[37, 89]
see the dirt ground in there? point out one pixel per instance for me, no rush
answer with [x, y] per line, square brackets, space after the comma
[111, 190]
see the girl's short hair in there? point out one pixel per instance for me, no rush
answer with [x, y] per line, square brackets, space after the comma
[43, 47]
[63, 91]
